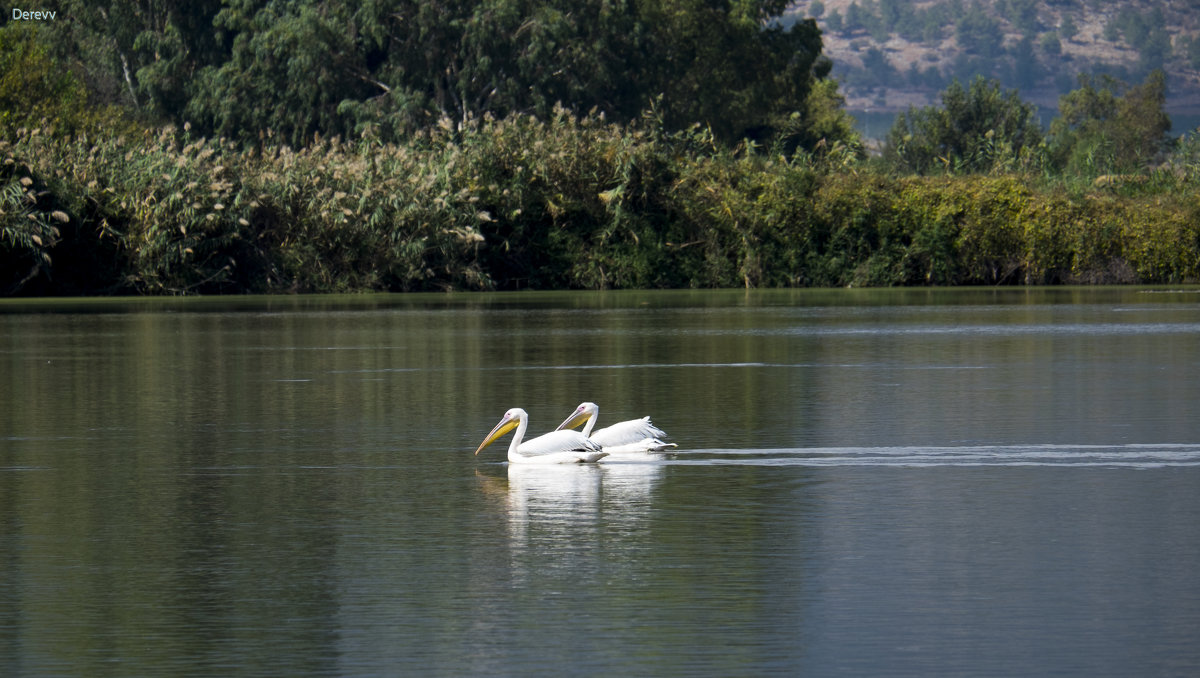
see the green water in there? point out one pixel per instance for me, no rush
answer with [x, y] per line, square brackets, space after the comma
[900, 482]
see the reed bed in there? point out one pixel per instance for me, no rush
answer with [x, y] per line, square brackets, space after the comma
[569, 202]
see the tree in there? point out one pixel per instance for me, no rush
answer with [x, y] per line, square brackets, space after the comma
[1023, 14]
[33, 88]
[137, 53]
[396, 65]
[878, 71]
[722, 65]
[855, 18]
[1049, 43]
[1068, 29]
[290, 68]
[834, 22]
[978, 33]
[1026, 69]
[1192, 51]
[1106, 126]
[822, 124]
[243, 69]
[976, 130]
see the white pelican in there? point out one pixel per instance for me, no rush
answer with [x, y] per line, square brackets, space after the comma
[635, 435]
[556, 447]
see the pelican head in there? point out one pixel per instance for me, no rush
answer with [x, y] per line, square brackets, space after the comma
[580, 416]
[511, 420]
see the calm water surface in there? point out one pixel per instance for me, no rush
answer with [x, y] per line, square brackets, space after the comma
[904, 483]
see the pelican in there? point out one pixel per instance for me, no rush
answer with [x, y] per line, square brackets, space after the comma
[635, 435]
[556, 447]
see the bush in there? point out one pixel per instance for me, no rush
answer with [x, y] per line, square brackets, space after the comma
[977, 130]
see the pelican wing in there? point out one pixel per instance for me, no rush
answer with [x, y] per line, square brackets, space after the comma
[558, 447]
[558, 441]
[629, 432]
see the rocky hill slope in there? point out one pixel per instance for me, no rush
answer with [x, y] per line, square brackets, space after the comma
[892, 54]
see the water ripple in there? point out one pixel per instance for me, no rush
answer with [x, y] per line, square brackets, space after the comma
[1112, 456]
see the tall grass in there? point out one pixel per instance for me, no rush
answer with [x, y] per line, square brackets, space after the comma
[569, 202]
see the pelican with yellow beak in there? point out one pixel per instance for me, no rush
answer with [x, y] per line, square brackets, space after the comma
[635, 435]
[556, 447]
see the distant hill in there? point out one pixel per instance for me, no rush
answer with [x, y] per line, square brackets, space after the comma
[892, 54]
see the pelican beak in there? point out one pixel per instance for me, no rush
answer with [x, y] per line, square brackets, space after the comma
[503, 427]
[577, 419]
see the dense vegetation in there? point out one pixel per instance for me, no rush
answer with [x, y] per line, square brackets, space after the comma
[207, 171]
[238, 68]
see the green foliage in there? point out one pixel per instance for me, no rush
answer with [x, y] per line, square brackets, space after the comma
[34, 90]
[1023, 14]
[737, 75]
[823, 124]
[569, 202]
[738, 219]
[960, 230]
[978, 130]
[1107, 127]
[1144, 31]
[246, 69]
[979, 33]
[27, 233]
[290, 68]
[1184, 161]
[1191, 51]
[1050, 44]
[1067, 28]
[834, 22]
[1138, 28]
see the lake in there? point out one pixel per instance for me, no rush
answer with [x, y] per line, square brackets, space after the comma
[968, 482]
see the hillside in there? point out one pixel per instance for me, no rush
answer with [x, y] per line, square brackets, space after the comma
[890, 54]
